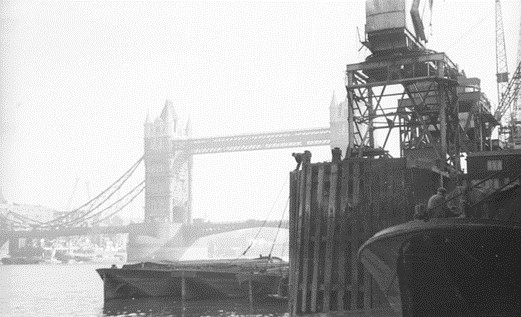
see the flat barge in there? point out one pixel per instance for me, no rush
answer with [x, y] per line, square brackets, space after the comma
[255, 278]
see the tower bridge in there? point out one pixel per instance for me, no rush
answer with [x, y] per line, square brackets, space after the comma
[169, 151]
[168, 229]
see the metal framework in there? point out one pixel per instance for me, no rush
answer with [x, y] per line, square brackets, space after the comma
[501, 56]
[511, 94]
[508, 132]
[476, 120]
[253, 142]
[425, 116]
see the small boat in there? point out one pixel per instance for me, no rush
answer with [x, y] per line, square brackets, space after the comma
[447, 267]
[195, 279]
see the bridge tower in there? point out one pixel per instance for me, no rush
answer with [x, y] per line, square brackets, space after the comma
[167, 171]
[167, 190]
[338, 124]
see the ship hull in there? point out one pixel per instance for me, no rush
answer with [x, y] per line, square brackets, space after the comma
[135, 283]
[454, 267]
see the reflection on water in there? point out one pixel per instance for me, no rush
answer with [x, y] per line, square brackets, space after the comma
[168, 307]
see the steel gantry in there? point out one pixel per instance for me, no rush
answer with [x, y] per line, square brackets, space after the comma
[424, 120]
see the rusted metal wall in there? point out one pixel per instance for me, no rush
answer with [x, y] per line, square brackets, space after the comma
[334, 208]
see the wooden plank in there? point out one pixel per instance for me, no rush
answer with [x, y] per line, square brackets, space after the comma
[369, 170]
[343, 215]
[317, 236]
[306, 237]
[355, 233]
[298, 242]
[330, 234]
[293, 216]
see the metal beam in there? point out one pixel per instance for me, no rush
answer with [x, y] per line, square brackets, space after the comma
[253, 142]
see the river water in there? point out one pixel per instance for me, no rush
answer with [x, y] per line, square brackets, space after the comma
[77, 290]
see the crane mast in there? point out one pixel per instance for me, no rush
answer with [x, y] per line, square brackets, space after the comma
[501, 56]
[517, 98]
[508, 90]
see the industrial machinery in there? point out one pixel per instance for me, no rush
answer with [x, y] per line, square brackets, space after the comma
[508, 111]
[440, 112]
[397, 26]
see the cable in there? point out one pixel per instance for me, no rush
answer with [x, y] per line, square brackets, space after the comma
[76, 220]
[114, 203]
[278, 229]
[83, 217]
[99, 195]
[264, 223]
[21, 217]
[119, 209]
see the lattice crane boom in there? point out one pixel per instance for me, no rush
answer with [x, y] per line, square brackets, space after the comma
[501, 56]
[510, 94]
[517, 98]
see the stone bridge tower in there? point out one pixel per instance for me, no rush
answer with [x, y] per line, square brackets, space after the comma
[338, 124]
[167, 171]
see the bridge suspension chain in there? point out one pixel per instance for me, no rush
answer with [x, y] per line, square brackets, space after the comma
[94, 203]
[136, 190]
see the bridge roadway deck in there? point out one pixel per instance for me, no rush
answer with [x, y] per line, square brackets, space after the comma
[196, 230]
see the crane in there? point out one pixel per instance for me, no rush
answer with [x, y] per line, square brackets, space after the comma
[508, 90]
[517, 98]
[501, 56]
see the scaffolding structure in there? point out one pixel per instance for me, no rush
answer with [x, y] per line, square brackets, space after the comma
[425, 120]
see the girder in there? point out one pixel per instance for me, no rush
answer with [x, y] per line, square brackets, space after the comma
[253, 142]
[501, 56]
[510, 94]
[425, 117]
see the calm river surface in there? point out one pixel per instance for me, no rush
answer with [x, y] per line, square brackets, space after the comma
[77, 290]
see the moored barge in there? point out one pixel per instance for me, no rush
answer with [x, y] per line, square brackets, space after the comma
[256, 278]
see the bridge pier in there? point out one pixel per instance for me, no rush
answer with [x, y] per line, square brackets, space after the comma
[156, 241]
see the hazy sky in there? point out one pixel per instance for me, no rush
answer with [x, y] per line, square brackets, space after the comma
[78, 79]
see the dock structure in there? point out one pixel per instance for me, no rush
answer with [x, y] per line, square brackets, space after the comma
[334, 208]
[411, 103]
